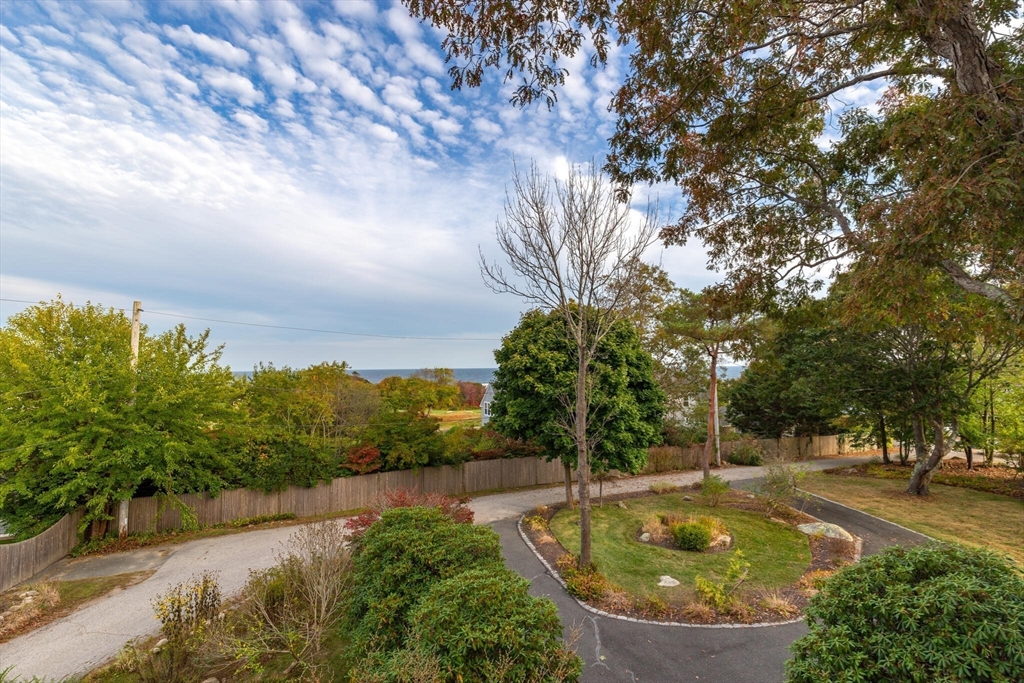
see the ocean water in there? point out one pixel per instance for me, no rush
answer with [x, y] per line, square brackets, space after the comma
[481, 375]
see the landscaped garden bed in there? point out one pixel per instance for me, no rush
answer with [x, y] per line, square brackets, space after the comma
[755, 566]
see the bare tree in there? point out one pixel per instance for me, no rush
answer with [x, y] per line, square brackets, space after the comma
[575, 249]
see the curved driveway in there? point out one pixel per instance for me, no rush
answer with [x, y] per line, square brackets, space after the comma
[613, 650]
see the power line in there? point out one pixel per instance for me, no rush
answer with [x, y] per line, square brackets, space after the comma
[297, 329]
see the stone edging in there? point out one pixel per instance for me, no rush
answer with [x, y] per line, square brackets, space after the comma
[554, 573]
[868, 514]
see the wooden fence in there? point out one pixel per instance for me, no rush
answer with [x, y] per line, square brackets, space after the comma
[663, 459]
[20, 561]
[346, 493]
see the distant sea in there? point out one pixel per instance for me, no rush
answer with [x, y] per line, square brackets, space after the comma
[481, 375]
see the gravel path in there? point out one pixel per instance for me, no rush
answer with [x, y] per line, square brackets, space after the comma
[95, 634]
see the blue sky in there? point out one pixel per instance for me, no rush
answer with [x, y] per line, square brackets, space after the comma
[289, 164]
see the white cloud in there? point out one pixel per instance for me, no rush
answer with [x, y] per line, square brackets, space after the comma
[7, 36]
[233, 84]
[323, 175]
[219, 49]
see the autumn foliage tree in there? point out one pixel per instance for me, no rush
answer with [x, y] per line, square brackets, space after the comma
[733, 101]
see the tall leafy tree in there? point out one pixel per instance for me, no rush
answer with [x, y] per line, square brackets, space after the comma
[572, 247]
[732, 100]
[79, 427]
[718, 320]
[537, 372]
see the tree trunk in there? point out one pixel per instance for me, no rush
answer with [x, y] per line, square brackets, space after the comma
[710, 442]
[706, 457]
[885, 442]
[582, 460]
[990, 442]
[926, 468]
[969, 452]
[714, 406]
[600, 493]
[920, 447]
[568, 486]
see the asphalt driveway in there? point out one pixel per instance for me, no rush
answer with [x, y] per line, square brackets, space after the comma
[613, 650]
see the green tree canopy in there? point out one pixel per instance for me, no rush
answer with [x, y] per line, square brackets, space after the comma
[732, 100]
[79, 427]
[536, 377]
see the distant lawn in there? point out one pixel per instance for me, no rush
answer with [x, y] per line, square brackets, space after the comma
[951, 514]
[467, 417]
[778, 554]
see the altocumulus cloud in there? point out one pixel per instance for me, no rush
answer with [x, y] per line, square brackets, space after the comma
[275, 163]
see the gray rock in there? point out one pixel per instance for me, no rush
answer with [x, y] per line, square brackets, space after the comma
[687, 497]
[622, 504]
[825, 529]
[645, 537]
[668, 582]
[161, 642]
[211, 680]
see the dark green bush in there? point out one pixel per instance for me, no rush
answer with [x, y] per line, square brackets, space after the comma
[477, 620]
[939, 612]
[399, 559]
[746, 452]
[692, 536]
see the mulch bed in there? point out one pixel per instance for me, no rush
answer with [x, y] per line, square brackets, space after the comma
[827, 555]
[999, 479]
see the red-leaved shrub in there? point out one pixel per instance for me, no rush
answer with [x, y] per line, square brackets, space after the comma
[455, 508]
[363, 459]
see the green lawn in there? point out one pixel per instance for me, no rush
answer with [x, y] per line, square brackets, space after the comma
[778, 554]
[975, 518]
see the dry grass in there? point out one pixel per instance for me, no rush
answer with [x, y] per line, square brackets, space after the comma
[661, 487]
[742, 612]
[535, 523]
[775, 602]
[699, 613]
[658, 530]
[812, 580]
[652, 606]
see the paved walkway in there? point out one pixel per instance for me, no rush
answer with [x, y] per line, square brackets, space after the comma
[92, 635]
[613, 650]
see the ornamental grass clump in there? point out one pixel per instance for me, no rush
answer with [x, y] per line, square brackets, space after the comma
[938, 612]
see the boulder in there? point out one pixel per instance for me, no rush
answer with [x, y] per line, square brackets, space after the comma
[687, 497]
[645, 537]
[825, 529]
[622, 505]
[668, 582]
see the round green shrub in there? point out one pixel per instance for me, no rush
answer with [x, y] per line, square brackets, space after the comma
[746, 452]
[692, 536]
[400, 557]
[483, 625]
[939, 612]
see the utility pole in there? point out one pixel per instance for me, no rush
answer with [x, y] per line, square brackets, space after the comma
[136, 319]
[122, 507]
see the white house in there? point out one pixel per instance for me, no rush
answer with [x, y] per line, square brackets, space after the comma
[485, 404]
